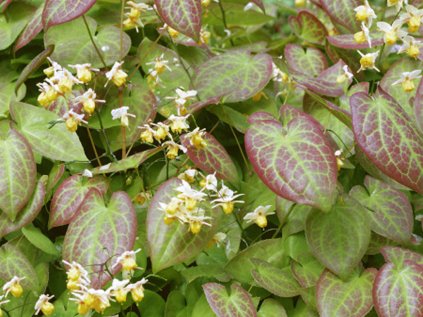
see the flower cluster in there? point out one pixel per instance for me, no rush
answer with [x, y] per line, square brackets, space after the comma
[133, 16]
[12, 287]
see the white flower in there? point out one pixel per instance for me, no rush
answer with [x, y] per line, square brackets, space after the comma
[183, 96]
[186, 191]
[226, 194]
[365, 13]
[128, 260]
[178, 123]
[84, 71]
[44, 304]
[347, 72]
[367, 61]
[13, 286]
[259, 215]
[87, 173]
[116, 74]
[406, 80]
[188, 175]
[122, 114]
[414, 18]
[211, 182]
[391, 32]
[196, 138]
[411, 46]
[173, 149]
[279, 75]
[397, 3]
[137, 290]
[119, 290]
[75, 272]
[160, 64]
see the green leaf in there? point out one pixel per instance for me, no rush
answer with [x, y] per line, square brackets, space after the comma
[8, 94]
[99, 232]
[309, 62]
[174, 243]
[73, 45]
[308, 27]
[236, 304]
[278, 155]
[399, 256]
[350, 298]
[17, 173]
[418, 107]
[380, 126]
[55, 143]
[39, 240]
[12, 22]
[340, 237]
[233, 76]
[342, 12]
[182, 15]
[28, 213]
[152, 305]
[271, 307]
[230, 116]
[390, 210]
[61, 11]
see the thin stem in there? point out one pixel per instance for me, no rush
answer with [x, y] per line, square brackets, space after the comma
[150, 48]
[121, 28]
[240, 148]
[92, 41]
[123, 142]
[224, 20]
[93, 146]
[103, 131]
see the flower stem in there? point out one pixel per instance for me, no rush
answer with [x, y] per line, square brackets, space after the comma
[92, 41]
[93, 146]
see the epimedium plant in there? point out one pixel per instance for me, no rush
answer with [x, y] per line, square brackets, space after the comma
[211, 158]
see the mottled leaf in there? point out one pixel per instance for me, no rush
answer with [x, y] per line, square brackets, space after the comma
[307, 272]
[100, 232]
[55, 143]
[234, 76]
[350, 298]
[342, 12]
[69, 197]
[182, 15]
[31, 30]
[174, 243]
[383, 131]
[61, 11]
[308, 27]
[236, 304]
[418, 106]
[309, 62]
[398, 255]
[340, 237]
[294, 160]
[212, 158]
[17, 173]
[347, 41]
[390, 210]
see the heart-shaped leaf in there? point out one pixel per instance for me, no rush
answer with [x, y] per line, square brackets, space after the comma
[307, 272]
[17, 173]
[310, 62]
[351, 298]
[56, 143]
[61, 11]
[385, 133]
[73, 44]
[234, 76]
[308, 27]
[174, 243]
[69, 197]
[418, 106]
[13, 22]
[28, 213]
[390, 210]
[339, 238]
[342, 12]
[31, 30]
[398, 255]
[280, 282]
[347, 41]
[236, 304]
[113, 228]
[294, 160]
[212, 158]
[182, 15]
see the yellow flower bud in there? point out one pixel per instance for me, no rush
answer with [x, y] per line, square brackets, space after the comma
[195, 227]
[52, 94]
[172, 152]
[43, 100]
[413, 51]
[84, 74]
[198, 141]
[129, 24]
[257, 97]
[119, 78]
[341, 78]
[71, 124]
[367, 61]
[205, 3]
[137, 294]
[134, 14]
[205, 37]
[120, 295]
[16, 290]
[1, 312]
[391, 37]
[49, 71]
[261, 221]
[408, 85]
[172, 32]
[414, 24]
[160, 134]
[129, 264]
[362, 15]
[47, 308]
[203, 182]
[72, 285]
[65, 84]
[88, 106]
[339, 163]
[360, 37]
[228, 207]
[168, 220]
[83, 308]
[190, 203]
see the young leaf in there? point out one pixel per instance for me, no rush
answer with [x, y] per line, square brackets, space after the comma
[100, 232]
[39, 240]
[351, 298]
[31, 30]
[69, 197]
[342, 12]
[390, 210]
[182, 15]
[383, 131]
[212, 158]
[174, 243]
[61, 11]
[236, 304]
[339, 238]
[308, 27]
[295, 160]
[310, 62]
[17, 173]
[234, 76]
[55, 143]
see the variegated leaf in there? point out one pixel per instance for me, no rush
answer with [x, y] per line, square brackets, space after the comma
[236, 304]
[390, 210]
[308, 27]
[385, 133]
[13, 21]
[342, 12]
[70, 196]
[182, 15]
[61, 11]
[350, 298]
[212, 158]
[294, 160]
[418, 106]
[99, 233]
[31, 30]
[233, 76]
[174, 243]
[17, 173]
[347, 41]
[399, 256]
[309, 62]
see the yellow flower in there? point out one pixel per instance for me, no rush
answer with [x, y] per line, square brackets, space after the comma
[195, 227]
[367, 61]
[117, 75]
[137, 290]
[259, 216]
[128, 261]
[43, 304]
[119, 290]
[14, 287]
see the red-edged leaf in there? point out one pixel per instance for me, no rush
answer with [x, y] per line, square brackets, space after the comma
[174, 243]
[182, 15]
[339, 238]
[351, 298]
[397, 291]
[391, 212]
[100, 232]
[418, 106]
[212, 158]
[310, 62]
[259, 3]
[383, 131]
[308, 27]
[307, 273]
[4, 4]
[346, 41]
[234, 76]
[236, 304]
[17, 173]
[61, 11]
[294, 160]
[398, 255]
[31, 30]
[28, 213]
[342, 12]
[70, 195]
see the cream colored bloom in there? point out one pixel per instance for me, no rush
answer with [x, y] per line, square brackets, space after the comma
[14, 287]
[128, 261]
[410, 46]
[119, 290]
[122, 114]
[391, 32]
[365, 13]
[88, 100]
[116, 75]
[43, 304]
[178, 124]
[368, 60]
[84, 72]
[259, 216]
[407, 80]
[413, 17]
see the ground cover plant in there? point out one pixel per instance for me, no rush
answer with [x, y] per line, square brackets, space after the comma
[211, 158]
